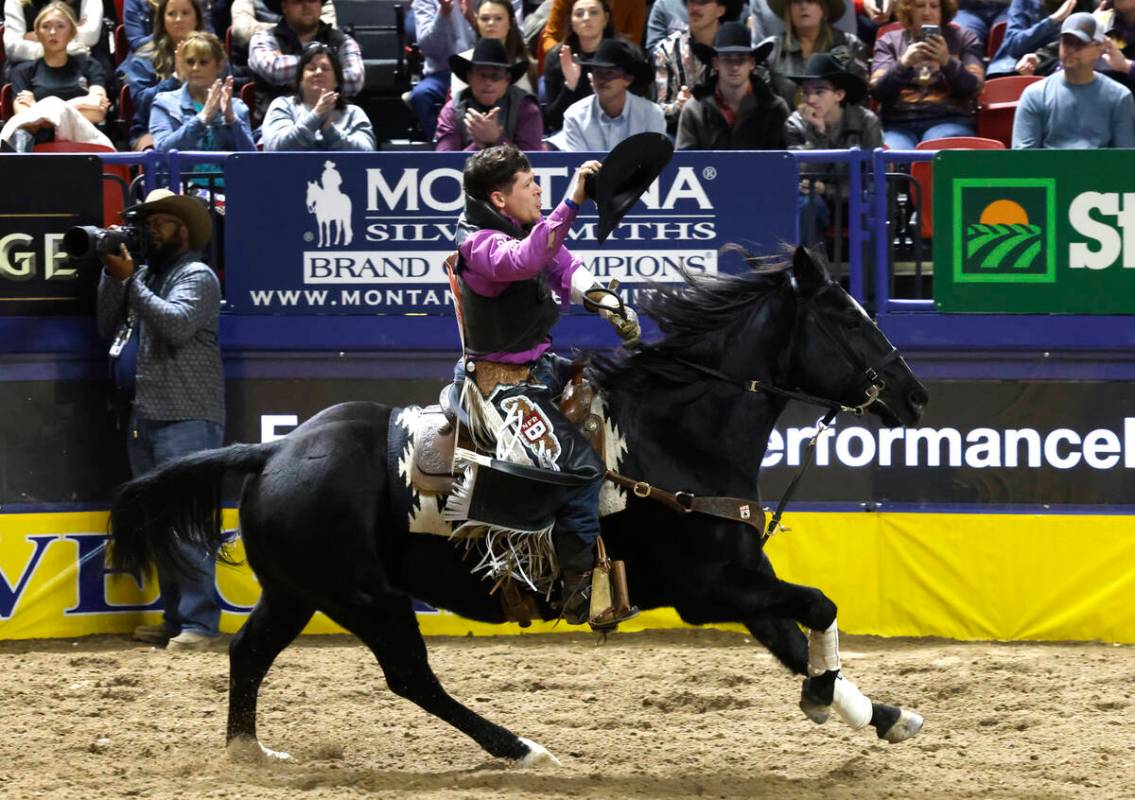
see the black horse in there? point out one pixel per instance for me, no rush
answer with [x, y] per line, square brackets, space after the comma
[323, 528]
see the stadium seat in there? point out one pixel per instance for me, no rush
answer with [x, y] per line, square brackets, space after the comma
[6, 98]
[923, 173]
[229, 43]
[248, 97]
[996, 36]
[114, 194]
[121, 46]
[378, 27]
[997, 105]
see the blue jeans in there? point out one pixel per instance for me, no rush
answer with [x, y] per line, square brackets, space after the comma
[908, 135]
[191, 602]
[980, 19]
[814, 218]
[427, 98]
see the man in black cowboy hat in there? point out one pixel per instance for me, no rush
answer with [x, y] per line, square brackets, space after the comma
[610, 115]
[274, 54]
[163, 317]
[829, 117]
[733, 109]
[491, 110]
[676, 69]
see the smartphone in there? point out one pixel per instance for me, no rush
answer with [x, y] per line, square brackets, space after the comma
[930, 30]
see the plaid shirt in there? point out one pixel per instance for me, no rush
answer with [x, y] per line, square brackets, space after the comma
[280, 69]
[675, 66]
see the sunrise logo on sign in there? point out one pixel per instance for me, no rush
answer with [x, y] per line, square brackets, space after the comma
[1005, 230]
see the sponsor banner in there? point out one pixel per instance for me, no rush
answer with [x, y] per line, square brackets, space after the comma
[360, 233]
[962, 576]
[1025, 443]
[1034, 232]
[36, 276]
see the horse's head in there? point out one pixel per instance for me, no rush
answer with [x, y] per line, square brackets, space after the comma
[313, 192]
[839, 353]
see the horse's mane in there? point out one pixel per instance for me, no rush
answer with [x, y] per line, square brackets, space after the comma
[694, 317]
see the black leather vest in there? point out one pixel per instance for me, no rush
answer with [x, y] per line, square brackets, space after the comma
[517, 319]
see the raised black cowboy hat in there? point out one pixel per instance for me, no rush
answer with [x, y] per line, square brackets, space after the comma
[732, 37]
[826, 67]
[487, 53]
[618, 54]
[628, 170]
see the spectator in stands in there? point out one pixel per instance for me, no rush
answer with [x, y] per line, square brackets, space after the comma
[627, 17]
[565, 72]
[979, 16]
[1032, 25]
[492, 110]
[138, 21]
[828, 118]
[317, 117]
[734, 109]
[59, 94]
[927, 85]
[153, 68]
[613, 113]
[250, 17]
[808, 30]
[870, 16]
[676, 68]
[274, 54]
[202, 114]
[767, 19]
[167, 367]
[496, 19]
[21, 42]
[1076, 109]
[1118, 22]
[445, 28]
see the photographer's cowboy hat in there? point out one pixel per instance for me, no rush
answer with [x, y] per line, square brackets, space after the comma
[618, 54]
[732, 38]
[487, 53]
[191, 211]
[628, 170]
[826, 67]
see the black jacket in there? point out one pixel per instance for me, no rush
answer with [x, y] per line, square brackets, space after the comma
[759, 125]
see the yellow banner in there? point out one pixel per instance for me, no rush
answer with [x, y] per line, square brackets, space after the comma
[961, 576]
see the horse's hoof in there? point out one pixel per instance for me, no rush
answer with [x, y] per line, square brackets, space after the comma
[908, 725]
[250, 750]
[818, 714]
[537, 756]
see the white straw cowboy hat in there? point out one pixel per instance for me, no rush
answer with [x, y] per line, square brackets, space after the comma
[190, 210]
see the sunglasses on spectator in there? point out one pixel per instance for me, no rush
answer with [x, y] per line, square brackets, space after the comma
[322, 47]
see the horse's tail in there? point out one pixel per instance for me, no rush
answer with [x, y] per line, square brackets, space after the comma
[179, 503]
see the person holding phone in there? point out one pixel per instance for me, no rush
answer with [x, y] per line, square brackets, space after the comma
[926, 75]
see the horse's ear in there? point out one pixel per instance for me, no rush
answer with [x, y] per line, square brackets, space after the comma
[809, 271]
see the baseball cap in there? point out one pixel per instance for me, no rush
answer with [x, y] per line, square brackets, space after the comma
[1083, 26]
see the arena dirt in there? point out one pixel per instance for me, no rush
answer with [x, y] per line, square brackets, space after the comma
[647, 716]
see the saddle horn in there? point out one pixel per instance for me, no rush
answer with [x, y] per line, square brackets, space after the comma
[628, 170]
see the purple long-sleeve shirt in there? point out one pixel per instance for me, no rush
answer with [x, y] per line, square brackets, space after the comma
[493, 260]
[528, 135]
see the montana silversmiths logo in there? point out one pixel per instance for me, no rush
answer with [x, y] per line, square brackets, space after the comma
[1005, 230]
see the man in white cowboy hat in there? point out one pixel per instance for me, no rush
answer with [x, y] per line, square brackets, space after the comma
[612, 114]
[733, 109]
[163, 317]
[491, 110]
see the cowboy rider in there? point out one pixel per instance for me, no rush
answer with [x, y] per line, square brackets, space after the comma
[510, 259]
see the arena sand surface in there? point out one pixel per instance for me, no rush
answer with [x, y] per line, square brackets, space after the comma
[656, 715]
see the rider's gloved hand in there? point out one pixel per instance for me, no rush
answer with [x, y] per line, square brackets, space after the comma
[626, 326]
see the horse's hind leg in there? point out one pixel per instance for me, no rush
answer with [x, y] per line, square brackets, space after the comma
[275, 621]
[387, 625]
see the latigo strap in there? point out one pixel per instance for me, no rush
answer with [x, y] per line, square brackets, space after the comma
[734, 509]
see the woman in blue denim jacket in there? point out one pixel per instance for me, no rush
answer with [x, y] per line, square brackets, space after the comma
[1032, 24]
[202, 114]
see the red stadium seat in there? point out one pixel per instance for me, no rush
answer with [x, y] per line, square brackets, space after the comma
[6, 97]
[997, 106]
[923, 172]
[229, 43]
[121, 46]
[248, 97]
[114, 196]
[996, 36]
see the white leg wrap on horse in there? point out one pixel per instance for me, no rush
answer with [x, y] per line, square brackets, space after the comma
[823, 650]
[852, 705]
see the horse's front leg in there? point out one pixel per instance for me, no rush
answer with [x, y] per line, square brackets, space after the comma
[768, 605]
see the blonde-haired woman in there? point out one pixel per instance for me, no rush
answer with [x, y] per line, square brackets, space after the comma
[20, 40]
[59, 95]
[152, 69]
[202, 114]
[809, 28]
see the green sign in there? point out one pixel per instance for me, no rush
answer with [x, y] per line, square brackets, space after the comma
[1039, 231]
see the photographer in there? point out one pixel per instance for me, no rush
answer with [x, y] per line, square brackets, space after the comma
[167, 365]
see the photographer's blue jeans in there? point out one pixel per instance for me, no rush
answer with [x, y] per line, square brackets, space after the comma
[190, 601]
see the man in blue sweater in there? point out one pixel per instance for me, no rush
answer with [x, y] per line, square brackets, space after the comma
[1076, 108]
